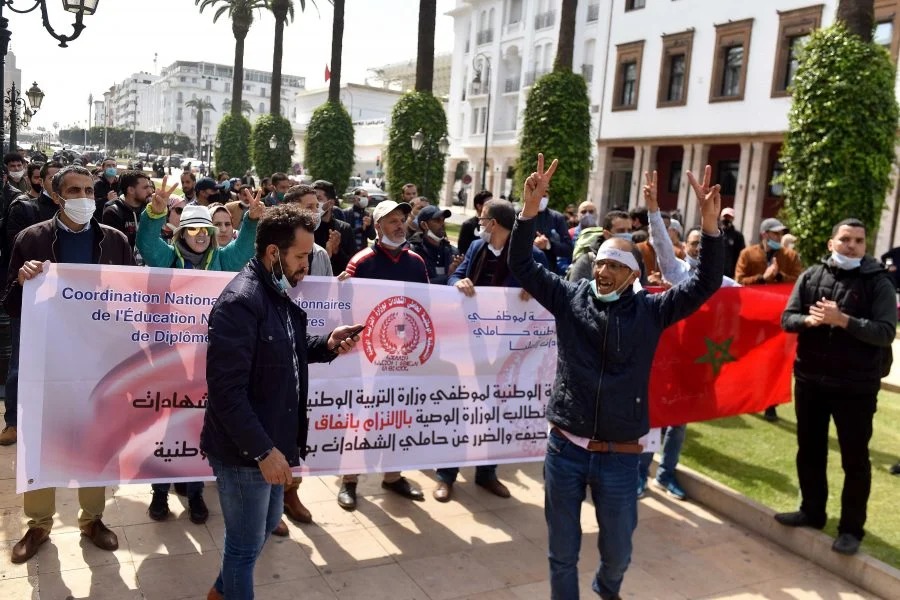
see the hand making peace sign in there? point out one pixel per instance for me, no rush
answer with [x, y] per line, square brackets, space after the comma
[256, 206]
[536, 187]
[160, 199]
[650, 192]
[709, 200]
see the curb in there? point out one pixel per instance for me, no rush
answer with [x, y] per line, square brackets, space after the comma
[861, 570]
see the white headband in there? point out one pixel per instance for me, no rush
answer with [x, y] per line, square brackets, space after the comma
[620, 256]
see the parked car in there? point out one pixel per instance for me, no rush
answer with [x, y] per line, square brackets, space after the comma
[175, 160]
[375, 195]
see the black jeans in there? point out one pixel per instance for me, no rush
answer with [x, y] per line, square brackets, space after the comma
[853, 413]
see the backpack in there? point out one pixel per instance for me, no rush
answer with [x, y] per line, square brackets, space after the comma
[585, 240]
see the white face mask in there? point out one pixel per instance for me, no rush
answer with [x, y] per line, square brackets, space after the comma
[485, 236]
[363, 201]
[844, 262]
[319, 212]
[693, 262]
[387, 242]
[543, 205]
[434, 237]
[17, 175]
[80, 210]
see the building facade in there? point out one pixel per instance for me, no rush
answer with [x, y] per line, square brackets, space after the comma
[673, 86]
[401, 76]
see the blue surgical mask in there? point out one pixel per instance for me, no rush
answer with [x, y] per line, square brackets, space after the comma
[281, 283]
[610, 297]
[226, 185]
[624, 236]
[773, 245]
[110, 172]
[845, 262]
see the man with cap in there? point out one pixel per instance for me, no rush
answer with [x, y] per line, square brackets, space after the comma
[733, 240]
[431, 243]
[388, 258]
[205, 190]
[598, 409]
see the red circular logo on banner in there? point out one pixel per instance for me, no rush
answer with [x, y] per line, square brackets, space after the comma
[399, 334]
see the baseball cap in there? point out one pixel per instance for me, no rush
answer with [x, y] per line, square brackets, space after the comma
[432, 212]
[205, 183]
[388, 206]
[727, 212]
[771, 225]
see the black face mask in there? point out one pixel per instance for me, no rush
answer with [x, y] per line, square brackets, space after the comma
[37, 188]
[727, 224]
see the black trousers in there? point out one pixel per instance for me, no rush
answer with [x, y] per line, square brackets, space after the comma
[853, 413]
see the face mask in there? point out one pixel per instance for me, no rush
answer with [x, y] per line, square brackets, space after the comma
[623, 236]
[37, 188]
[845, 262]
[363, 201]
[434, 237]
[773, 245]
[319, 212]
[543, 205]
[610, 297]
[80, 210]
[282, 282]
[485, 236]
[727, 224]
[226, 185]
[111, 172]
[386, 241]
[17, 175]
[693, 262]
[588, 220]
[279, 196]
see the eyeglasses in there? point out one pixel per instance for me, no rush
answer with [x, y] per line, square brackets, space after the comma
[611, 265]
[195, 231]
[480, 219]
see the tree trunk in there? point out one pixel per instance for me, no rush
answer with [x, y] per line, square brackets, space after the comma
[337, 43]
[240, 31]
[277, 54]
[859, 16]
[425, 52]
[565, 48]
[199, 133]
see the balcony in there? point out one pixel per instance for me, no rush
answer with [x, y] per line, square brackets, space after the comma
[587, 71]
[545, 19]
[514, 28]
[532, 76]
[593, 13]
[485, 36]
[512, 84]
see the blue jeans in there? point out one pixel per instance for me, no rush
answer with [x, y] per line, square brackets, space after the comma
[12, 375]
[568, 470]
[251, 509]
[192, 488]
[673, 440]
[483, 474]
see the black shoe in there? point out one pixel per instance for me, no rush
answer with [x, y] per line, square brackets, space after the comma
[798, 519]
[895, 470]
[180, 488]
[846, 543]
[402, 487]
[197, 510]
[770, 415]
[159, 506]
[347, 496]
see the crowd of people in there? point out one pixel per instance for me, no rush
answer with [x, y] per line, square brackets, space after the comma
[580, 266]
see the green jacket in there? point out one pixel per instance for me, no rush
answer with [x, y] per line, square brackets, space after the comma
[156, 252]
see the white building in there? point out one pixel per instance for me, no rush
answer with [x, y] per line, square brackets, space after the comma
[402, 75]
[11, 73]
[673, 86]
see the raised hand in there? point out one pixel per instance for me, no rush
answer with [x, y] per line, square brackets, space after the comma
[536, 187]
[160, 198]
[709, 199]
[255, 203]
[650, 192]
[333, 243]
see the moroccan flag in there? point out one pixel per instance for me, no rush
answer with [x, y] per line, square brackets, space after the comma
[730, 357]
[327, 73]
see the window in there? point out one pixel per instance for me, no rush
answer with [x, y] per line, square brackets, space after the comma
[886, 30]
[515, 12]
[179, 112]
[262, 107]
[228, 87]
[179, 98]
[727, 176]
[674, 71]
[262, 91]
[479, 119]
[209, 84]
[675, 176]
[730, 64]
[593, 12]
[628, 75]
[634, 4]
[793, 31]
[884, 34]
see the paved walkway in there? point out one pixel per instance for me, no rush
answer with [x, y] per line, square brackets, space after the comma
[477, 546]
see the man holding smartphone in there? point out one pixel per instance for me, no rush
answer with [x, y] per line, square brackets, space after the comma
[431, 243]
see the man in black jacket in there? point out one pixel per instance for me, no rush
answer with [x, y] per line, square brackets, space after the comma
[333, 233]
[255, 425]
[431, 243]
[107, 187]
[845, 313]
[124, 213]
[468, 230]
[598, 409]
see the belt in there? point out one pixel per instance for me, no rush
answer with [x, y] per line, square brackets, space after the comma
[629, 447]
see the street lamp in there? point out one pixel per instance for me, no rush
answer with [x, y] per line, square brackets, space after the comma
[14, 100]
[482, 64]
[292, 145]
[421, 144]
[79, 7]
[273, 142]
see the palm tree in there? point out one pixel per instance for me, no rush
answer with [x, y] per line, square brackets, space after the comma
[199, 105]
[425, 51]
[337, 43]
[246, 107]
[565, 47]
[241, 14]
[283, 10]
[859, 16]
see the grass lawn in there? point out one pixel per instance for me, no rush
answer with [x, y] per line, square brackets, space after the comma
[452, 231]
[756, 458]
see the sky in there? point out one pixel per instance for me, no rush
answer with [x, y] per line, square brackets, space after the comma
[124, 36]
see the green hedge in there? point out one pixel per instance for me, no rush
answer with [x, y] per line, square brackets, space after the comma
[232, 154]
[415, 111]
[266, 160]
[557, 123]
[839, 148]
[329, 145]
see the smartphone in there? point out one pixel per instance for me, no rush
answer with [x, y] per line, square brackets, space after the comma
[355, 331]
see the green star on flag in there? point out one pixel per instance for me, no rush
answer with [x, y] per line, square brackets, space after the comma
[717, 354]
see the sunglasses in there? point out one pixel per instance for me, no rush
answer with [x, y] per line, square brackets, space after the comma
[178, 210]
[195, 231]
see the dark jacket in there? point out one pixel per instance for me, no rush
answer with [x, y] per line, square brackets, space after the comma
[253, 401]
[606, 348]
[39, 242]
[347, 247]
[126, 219]
[467, 234]
[734, 243]
[552, 224]
[354, 217]
[470, 267]
[101, 190]
[25, 212]
[848, 358]
[377, 263]
[12, 200]
[437, 258]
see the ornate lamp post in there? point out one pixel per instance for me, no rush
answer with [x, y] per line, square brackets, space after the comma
[422, 145]
[15, 100]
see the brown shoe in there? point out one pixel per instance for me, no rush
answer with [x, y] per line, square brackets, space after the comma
[8, 437]
[281, 530]
[443, 492]
[101, 535]
[495, 487]
[29, 544]
[294, 509]
[214, 595]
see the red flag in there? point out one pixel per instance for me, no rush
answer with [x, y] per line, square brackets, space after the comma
[327, 73]
[730, 357]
